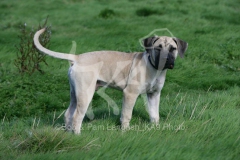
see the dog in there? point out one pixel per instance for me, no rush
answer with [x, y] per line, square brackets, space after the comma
[132, 73]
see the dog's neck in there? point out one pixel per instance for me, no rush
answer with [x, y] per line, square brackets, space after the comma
[152, 63]
[148, 61]
[145, 57]
[149, 65]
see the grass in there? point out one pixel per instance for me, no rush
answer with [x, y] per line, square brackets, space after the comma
[200, 104]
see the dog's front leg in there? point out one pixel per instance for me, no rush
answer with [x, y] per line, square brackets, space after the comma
[129, 100]
[154, 98]
[153, 106]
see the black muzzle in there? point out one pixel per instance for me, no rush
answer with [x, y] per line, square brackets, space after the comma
[170, 62]
[162, 62]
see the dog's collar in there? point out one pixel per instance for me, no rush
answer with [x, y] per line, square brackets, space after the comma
[152, 63]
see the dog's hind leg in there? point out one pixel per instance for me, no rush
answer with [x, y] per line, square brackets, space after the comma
[70, 111]
[73, 103]
[84, 90]
[83, 100]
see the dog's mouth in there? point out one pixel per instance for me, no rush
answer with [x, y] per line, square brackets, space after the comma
[170, 62]
[161, 61]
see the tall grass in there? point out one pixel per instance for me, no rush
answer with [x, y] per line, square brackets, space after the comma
[188, 129]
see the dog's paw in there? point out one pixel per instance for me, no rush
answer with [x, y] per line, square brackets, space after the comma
[154, 120]
[125, 126]
[77, 131]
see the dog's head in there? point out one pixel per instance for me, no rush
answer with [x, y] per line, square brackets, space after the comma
[164, 50]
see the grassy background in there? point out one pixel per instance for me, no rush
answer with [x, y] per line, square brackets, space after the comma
[200, 103]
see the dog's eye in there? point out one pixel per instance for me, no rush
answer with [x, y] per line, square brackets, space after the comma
[158, 47]
[172, 49]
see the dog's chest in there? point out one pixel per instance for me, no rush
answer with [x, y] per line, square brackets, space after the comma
[153, 83]
[153, 86]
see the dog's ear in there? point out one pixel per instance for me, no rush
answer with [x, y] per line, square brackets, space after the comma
[148, 42]
[182, 46]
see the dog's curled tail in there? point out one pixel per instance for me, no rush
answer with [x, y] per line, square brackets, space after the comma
[70, 57]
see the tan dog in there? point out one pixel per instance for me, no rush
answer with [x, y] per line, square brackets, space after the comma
[134, 74]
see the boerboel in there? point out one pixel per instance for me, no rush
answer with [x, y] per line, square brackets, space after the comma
[133, 73]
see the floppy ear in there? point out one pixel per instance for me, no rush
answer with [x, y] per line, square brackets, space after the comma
[148, 42]
[182, 46]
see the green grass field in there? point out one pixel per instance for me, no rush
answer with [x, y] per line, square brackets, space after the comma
[200, 102]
